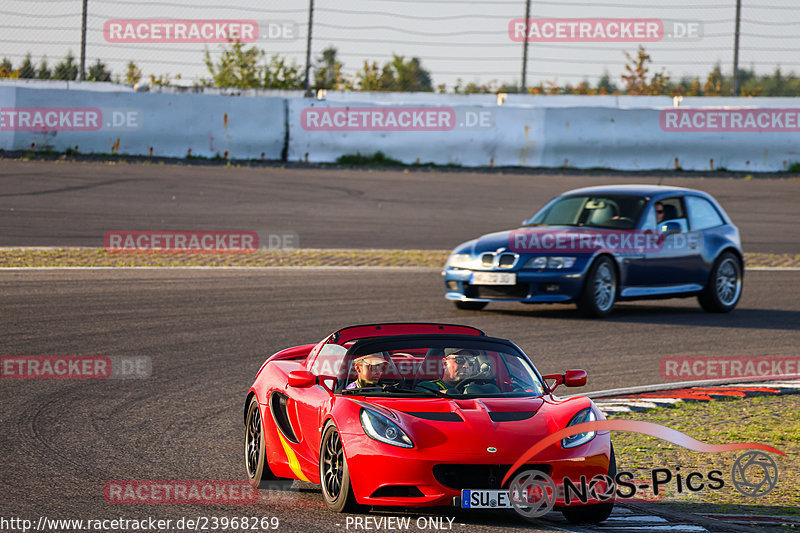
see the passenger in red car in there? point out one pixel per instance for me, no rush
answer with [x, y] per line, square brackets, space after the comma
[369, 370]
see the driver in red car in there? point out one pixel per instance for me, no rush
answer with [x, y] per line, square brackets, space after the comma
[459, 366]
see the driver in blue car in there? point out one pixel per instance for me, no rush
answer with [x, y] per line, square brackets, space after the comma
[659, 212]
[462, 366]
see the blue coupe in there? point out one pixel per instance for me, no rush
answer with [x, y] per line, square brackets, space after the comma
[599, 245]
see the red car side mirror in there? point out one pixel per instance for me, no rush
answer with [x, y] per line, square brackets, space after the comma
[302, 379]
[575, 378]
[570, 378]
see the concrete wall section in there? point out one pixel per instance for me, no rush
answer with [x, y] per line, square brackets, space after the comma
[322, 131]
[635, 139]
[144, 124]
[618, 132]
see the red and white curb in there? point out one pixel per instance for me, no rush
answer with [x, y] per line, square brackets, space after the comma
[629, 400]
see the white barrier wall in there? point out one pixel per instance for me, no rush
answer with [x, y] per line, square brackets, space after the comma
[580, 100]
[618, 132]
[577, 137]
[634, 139]
[8, 98]
[743, 101]
[400, 98]
[394, 98]
[168, 125]
[479, 136]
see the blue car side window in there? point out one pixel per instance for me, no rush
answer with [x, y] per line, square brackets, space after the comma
[674, 213]
[702, 214]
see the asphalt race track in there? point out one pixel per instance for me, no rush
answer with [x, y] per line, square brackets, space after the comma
[74, 204]
[207, 331]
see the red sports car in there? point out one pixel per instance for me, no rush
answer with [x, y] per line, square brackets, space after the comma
[416, 415]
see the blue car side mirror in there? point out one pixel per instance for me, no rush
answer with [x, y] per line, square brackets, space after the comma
[668, 228]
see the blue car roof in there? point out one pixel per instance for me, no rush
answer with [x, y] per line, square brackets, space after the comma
[639, 190]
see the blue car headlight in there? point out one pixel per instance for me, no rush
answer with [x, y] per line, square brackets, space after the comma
[459, 260]
[585, 415]
[536, 262]
[555, 263]
[560, 262]
[381, 428]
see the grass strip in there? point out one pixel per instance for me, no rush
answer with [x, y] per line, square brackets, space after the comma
[96, 257]
[771, 420]
[74, 257]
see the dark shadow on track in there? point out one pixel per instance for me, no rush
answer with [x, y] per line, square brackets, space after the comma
[739, 318]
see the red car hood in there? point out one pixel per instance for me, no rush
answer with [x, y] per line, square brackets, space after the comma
[474, 427]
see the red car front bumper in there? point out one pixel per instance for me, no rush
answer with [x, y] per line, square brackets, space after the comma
[387, 475]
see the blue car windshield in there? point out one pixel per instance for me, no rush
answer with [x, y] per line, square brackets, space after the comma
[594, 211]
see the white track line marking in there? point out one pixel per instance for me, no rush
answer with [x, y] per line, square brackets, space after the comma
[777, 384]
[416, 269]
[637, 518]
[612, 401]
[613, 410]
[636, 403]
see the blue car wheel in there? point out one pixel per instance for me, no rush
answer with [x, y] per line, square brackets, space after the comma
[724, 287]
[599, 290]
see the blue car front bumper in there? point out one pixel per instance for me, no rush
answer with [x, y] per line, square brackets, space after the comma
[532, 286]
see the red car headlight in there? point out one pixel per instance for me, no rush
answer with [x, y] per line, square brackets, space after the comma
[584, 415]
[381, 428]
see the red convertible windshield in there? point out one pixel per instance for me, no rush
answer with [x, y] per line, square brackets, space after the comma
[447, 370]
